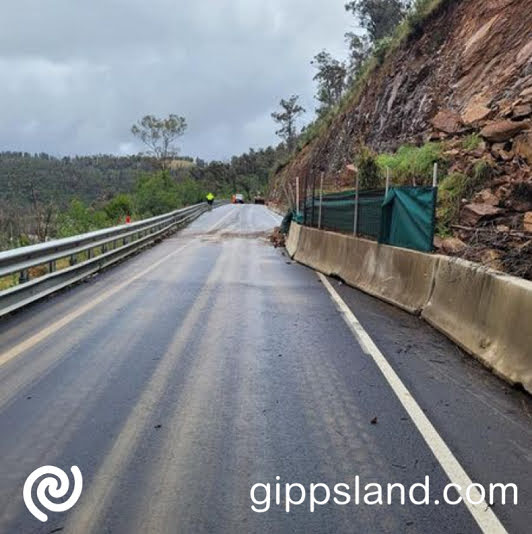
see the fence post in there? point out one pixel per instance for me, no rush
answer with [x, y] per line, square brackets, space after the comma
[435, 175]
[297, 195]
[321, 200]
[387, 180]
[305, 195]
[355, 222]
[313, 199]
[24, 276]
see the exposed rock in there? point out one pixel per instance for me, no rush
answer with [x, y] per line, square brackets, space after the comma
[480, 152]
[435, 136]
[447, 121]
[453, 245]
[502, 228]
[522, 111]
[523, 146]
[277, 238]
[527, 222]
[438, 242]
[492, 258]
[521, 205]
[472, 214]
[501, 180]
[499, 151]
[506, 109]
[526, 93]
[486, 197]
[451, 153]
[476, 111]
[500, 131]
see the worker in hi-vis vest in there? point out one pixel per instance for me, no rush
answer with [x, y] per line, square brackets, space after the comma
[210, 199]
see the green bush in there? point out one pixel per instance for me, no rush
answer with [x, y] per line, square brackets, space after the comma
[452, 189]
[381, 49]
[156, 194]
[119, 207]
[190, 192]
[411, 164]
[420, 12]
[79, 219]
[471, 142]
[450, 193]
[369, 173]
[482, 172]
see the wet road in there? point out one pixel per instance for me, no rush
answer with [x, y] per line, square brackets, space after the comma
[222, 364]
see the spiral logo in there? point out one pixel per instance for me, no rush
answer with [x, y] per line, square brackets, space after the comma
[56, 485]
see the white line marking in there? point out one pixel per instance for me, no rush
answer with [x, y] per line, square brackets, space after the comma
[483, 514]
[30, 342]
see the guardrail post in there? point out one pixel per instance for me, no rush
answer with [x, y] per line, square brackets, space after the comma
[52, 267]
[24, 276]
[90, 253]
[73, 260]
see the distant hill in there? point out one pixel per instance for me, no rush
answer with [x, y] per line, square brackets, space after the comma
[43, 197]
[88, 178]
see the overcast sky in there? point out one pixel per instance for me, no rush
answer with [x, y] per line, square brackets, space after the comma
[75, 74]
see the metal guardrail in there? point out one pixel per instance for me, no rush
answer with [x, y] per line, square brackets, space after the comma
[97, 249]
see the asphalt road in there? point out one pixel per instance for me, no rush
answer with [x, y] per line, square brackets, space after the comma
[223, 364]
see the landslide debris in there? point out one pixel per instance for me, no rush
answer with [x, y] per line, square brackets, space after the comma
[462, 81]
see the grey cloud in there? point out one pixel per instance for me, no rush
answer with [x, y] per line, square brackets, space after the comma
[75, 75]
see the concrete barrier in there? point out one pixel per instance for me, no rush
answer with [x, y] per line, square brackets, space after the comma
[399, 276]
[293, 238]
[323, 251]
[488, 314]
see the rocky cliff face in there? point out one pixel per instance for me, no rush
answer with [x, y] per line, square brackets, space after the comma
[468, 70]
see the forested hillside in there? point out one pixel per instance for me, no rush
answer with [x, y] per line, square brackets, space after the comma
[44, 197]
[88, 178]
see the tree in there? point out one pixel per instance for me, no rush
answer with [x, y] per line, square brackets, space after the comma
[119, 207]
[331, 78]
[159, 135]
[43, 214]
[378, 17]
[290, 111]
[156, 194]
[359, 50]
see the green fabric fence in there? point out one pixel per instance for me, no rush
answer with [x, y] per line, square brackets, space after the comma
[408, 218]
[337, 212]
[404, 217]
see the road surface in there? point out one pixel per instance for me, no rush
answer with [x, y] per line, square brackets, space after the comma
[209, 363]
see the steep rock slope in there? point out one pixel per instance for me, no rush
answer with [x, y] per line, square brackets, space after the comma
[467, 69]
